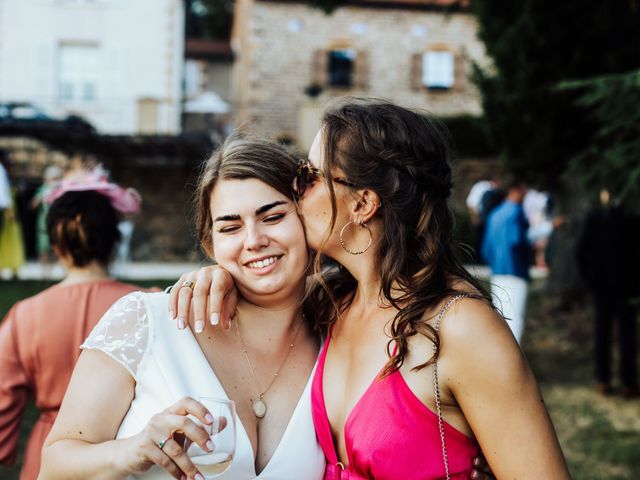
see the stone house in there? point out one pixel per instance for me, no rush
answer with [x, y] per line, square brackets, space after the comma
[292, 59]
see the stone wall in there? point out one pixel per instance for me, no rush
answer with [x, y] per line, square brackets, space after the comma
[277, 47]
[164, 230]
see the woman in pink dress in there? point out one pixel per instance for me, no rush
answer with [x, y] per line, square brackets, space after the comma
[41, 335]
[418, 371]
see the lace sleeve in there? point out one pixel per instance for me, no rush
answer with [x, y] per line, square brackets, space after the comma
[123, 332]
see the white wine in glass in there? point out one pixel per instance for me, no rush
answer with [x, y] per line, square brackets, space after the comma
[223, 435]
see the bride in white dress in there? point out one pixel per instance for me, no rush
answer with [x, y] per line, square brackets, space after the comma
[134, 385]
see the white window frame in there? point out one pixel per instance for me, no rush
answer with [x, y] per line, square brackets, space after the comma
[438, 69]
[78, 76]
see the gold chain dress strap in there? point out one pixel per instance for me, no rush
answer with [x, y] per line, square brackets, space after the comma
[436, 387]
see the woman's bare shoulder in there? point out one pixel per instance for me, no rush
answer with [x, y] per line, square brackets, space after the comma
[473, 321]
[475, 338]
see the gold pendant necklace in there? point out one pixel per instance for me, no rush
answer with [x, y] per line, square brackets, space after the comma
[258, 405]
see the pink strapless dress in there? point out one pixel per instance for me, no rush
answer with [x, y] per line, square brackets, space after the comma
[390, 434]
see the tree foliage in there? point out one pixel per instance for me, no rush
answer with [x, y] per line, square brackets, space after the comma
[534, 45]
[468, 135]
[612, 158]
[209, 19]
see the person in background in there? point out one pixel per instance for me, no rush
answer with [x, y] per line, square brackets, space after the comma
[51, 178]
[41, 335]
[608, 259]
[12, 254]
[476, 212]
[5, 188]
[507, 251]
[537, 209]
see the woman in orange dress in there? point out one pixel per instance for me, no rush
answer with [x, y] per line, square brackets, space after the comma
[40, 336]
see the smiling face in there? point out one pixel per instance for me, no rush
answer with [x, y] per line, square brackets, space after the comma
[258, 238]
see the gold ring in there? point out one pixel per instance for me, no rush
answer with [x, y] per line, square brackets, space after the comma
[164, 442]
[188, 284]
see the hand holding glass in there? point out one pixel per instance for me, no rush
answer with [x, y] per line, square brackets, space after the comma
[223, 435]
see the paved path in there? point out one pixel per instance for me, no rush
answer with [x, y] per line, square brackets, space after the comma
[129, 271]
[170, 271]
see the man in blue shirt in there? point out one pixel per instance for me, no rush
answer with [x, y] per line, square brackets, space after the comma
[507, 251]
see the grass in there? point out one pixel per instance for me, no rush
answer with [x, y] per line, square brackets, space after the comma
[600, 436]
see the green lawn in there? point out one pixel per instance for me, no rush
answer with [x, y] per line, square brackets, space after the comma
[600, 435]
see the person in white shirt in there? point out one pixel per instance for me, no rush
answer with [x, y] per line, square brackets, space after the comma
[132, 392]
[478, 217]
[5, 189]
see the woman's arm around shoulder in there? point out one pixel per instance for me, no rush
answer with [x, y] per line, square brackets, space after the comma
[498, 394]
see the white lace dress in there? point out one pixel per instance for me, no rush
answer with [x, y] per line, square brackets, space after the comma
[168, 364]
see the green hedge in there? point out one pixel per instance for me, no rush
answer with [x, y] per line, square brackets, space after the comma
[469, 136]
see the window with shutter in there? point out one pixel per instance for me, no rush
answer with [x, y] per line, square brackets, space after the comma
[341, 67]
[438, 70]
[78, 72]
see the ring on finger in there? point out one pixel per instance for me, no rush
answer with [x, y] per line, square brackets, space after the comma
[164, 442]
[188, 284]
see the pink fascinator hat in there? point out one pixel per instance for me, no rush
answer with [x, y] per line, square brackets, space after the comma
[124, 200]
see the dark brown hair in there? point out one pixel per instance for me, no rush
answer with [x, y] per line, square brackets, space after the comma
[404, 157]
[84, 226]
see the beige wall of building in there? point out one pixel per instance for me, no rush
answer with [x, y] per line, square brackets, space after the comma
[281, 48]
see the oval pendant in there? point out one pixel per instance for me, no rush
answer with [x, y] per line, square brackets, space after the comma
[259, 408]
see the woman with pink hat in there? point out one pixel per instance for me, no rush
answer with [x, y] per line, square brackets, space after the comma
[39, 340]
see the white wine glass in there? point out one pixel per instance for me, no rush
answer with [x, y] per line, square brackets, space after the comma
[223, 435]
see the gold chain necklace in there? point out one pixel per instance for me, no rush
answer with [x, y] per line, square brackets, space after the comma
[258, 405]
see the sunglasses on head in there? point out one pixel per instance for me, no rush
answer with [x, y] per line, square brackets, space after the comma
[307, 174]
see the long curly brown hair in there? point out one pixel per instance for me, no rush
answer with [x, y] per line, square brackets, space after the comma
[403, 156]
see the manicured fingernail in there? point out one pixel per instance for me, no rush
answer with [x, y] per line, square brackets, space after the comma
[181, 324]
[183, 477]
[172, 314]
[198, 477]
[209, 445]
[208, 418]
[215, 318]
[198, 326]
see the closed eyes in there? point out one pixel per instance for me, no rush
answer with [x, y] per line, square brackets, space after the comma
[271, 219]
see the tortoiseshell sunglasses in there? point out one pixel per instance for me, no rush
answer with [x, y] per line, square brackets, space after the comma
[307, 174]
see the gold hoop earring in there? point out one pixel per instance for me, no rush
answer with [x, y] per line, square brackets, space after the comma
[362, 225]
